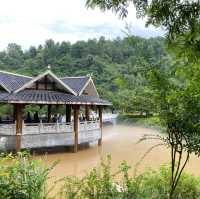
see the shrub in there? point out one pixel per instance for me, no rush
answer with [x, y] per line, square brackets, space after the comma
[152, 184]
[97, 184]
[156, 184]
[22, 177]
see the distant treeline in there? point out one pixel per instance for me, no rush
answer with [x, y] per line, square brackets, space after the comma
[118, 66]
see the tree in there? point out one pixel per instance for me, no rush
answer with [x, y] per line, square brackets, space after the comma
[179, 18]
[32, 52]
[50, 52]
[64, 48]
[176, 93]
[108, 60]
[177, 99]
[14, 55]
[77, 50]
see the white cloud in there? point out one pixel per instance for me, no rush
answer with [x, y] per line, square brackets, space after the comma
[31, 22]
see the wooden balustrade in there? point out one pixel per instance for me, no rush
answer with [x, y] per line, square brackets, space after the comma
[42, 128]
[36, 135]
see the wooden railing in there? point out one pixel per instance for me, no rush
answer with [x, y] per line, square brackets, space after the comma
[41, 128]
[45, 128]
[7, 129]
[89, 125]
[36, 135]
[89, 131]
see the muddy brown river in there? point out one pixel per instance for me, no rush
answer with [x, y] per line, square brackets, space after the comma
[121, 143]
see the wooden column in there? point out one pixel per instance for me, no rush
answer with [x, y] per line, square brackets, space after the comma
[87, 112]
[19, 124]
[49, 112]
[101, 124]
[68, 112]
[76, 123]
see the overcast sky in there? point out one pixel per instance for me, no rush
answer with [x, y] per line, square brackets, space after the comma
[31, 22]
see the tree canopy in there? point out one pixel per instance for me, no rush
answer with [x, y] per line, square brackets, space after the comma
[118, 66]
[176, 93]
[179, 18]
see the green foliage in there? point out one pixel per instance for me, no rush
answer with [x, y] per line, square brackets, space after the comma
[155, 184]
[177, 100]
[101, 183]
[179, 19]
[22, 177]
[119, 67]
[6, 110]
[98, 184]
[141, 120]
[176, 95]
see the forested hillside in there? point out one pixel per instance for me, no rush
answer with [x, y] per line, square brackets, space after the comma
[118, 67]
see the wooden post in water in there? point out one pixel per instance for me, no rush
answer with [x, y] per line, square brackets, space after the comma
[49, 113]
[68, 113]
[87, 112]
[76, 124]
[100, 123]
[19, 125]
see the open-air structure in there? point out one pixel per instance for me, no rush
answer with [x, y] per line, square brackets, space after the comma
[46, 89]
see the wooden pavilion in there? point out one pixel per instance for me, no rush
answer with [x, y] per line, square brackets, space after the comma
[49, 90]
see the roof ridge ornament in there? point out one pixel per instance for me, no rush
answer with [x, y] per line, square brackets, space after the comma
[89, 75]
[49, 67]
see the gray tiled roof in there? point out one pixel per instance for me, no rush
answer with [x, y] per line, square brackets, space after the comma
[13, 82]
[49, 97]
[76, 83]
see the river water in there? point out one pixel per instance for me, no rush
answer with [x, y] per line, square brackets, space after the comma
[121, 142]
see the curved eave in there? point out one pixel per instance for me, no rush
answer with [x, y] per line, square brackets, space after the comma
[49, 97]
[56, 102]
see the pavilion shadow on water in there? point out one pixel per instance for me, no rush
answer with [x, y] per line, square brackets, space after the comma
[75, 95]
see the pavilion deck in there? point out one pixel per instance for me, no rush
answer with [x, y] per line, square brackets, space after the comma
[39, 135]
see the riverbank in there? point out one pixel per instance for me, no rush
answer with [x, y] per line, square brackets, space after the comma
[152, 122]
